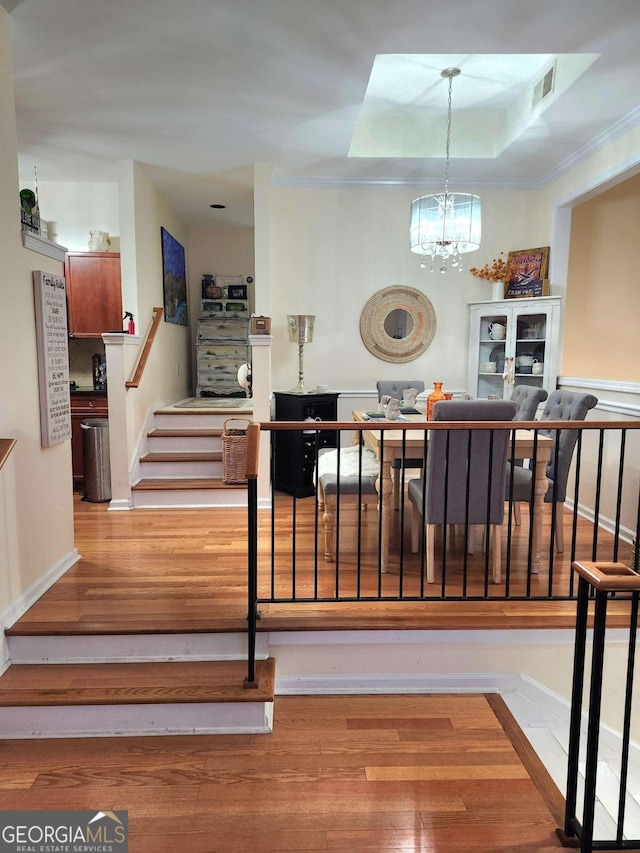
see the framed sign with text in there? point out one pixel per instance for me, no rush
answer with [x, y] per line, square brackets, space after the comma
[53, 357]
[529, 264]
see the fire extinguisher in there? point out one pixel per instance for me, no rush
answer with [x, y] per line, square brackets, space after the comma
[131, 326]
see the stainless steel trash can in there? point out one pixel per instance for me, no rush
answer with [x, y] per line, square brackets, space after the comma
[97, 461]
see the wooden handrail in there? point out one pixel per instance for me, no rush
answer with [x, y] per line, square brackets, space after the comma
[6, 446]
[146, 349]
[253, 448]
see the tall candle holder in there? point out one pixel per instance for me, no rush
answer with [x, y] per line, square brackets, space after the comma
[301, 333]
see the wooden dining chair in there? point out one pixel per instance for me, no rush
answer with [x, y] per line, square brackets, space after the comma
[468, 466]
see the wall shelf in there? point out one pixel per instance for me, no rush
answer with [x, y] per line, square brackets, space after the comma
[45, 247]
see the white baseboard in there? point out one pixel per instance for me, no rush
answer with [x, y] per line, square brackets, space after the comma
[19, 607]
[37, 589]
[361, 684]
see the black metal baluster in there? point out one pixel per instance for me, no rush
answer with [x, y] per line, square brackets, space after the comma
[626, 728]
[616, 537]
[596, 511]
[579, 657]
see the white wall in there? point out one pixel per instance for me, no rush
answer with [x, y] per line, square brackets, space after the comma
[36, 507]
[167, 375]
[72, 209]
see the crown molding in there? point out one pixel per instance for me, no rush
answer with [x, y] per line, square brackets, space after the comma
[326, 182]
[603, 139]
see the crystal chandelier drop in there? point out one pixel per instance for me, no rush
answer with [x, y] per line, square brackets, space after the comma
[445, 225]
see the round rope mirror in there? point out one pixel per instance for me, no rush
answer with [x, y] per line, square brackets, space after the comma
[397, 324]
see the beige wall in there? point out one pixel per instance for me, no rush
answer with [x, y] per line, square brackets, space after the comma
[332, 249]
[36, 508]
[167, 375]
[603, 287]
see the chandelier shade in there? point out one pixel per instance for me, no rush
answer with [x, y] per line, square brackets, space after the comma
[445, 225]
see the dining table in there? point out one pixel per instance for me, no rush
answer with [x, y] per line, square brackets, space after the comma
[400, 443]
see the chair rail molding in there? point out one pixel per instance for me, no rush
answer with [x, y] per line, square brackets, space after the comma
[626, 409]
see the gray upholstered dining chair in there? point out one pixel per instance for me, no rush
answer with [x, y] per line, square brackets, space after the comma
[527, 398]
[469, 467]
[394, 388]
[561, 406]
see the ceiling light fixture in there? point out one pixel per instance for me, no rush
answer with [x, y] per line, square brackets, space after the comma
[445, 225]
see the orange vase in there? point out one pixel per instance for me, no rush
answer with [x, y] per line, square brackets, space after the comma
[434, 396]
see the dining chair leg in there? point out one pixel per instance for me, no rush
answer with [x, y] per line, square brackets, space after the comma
[430, 531]
[397, 477]
[559, 509]
[328, 519]
[496, 551]
[471, 539]
[517, 519]
[416, 526]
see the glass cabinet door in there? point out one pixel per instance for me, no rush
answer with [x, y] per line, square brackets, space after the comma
[521, 334]
[491, 353]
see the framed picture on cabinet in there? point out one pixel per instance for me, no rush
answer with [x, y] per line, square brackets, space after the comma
[174, 280]
[529, 265]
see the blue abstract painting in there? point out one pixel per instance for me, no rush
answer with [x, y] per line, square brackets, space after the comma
[174, 280]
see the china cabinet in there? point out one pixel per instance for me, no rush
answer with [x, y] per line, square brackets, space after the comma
[522, 334]
[94, 293]
[295, 451]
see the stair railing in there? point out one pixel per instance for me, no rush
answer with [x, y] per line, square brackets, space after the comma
[251, 475]
[598, 582]
[146, 349]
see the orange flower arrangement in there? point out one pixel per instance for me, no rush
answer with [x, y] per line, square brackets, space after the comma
[497, 270]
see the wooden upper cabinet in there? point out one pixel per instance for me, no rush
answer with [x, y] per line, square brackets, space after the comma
[94, 293]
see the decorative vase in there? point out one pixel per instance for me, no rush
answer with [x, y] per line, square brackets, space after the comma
[434, 396]
[498, 290]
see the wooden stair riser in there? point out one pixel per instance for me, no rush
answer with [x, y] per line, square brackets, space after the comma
[131, 720]
[193, 497]
[181, 470]
[185, 443]
[192, 419]
[132, 648]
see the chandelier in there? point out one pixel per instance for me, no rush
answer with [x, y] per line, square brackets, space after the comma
[445, 225]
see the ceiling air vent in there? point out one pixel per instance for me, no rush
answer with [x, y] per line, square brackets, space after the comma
[544, 86]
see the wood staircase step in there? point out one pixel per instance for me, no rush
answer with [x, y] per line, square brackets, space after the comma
[134, 683]
[182, 483]
[125, 699]
[184, 456]
[180, 433]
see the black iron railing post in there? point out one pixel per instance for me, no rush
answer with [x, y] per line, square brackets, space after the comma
[251, 471]
[603, 579]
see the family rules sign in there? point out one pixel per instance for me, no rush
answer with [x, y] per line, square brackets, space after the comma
[53, 357]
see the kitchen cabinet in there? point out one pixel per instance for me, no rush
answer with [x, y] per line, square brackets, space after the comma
[94, 293]
[295, 451]
[84, 405]
[525, 330]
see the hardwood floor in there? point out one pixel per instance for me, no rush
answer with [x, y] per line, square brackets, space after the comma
[184, 570]
[362, 773]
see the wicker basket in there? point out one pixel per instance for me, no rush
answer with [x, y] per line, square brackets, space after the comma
[234, 451]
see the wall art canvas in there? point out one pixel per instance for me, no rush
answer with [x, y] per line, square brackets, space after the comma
[174, 280]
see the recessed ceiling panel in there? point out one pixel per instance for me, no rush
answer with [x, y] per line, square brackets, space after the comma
[405, 106]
